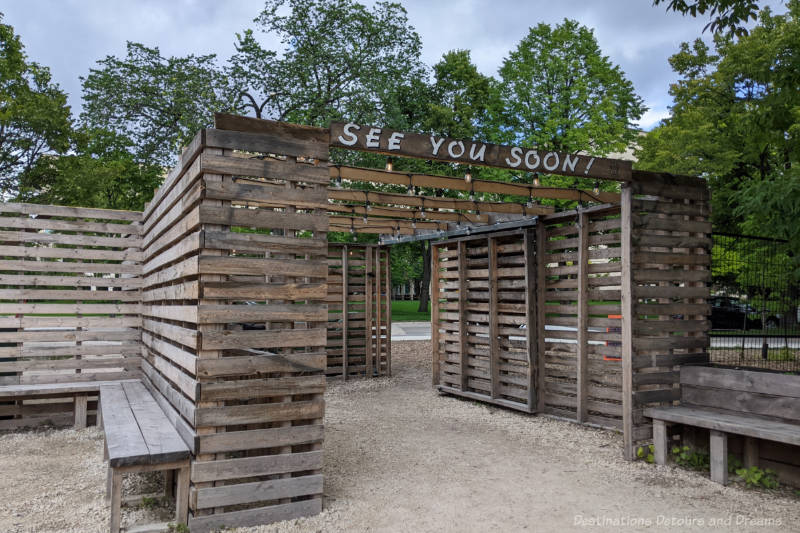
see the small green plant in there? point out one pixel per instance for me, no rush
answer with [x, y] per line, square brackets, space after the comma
[149, 502]
[797, 493]
[687, 458]
[177, 528]
[734, 463]
[756, 477]
[646, 453]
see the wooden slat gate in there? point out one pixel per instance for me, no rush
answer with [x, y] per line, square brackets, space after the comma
[484, 297]
[359, 338]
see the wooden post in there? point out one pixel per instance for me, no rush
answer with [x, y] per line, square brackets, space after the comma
[718, 448]
[627, 322]
[81, 410]
[751, 452]
[531, 317]
[388, 319]
[368, 344]
[462, 311]
[494, 341]
[435, 313]
[182, 496]
[541, 265]
[345, 319]
[660, 443]
[378, 310]
[116, 500]
[169, 485]
[582, 355]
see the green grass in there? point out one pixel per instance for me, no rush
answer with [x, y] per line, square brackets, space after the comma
[406, 311]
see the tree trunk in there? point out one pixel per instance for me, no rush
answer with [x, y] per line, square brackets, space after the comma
[424, 286]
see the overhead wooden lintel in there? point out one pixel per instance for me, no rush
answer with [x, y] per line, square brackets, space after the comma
[353, 136]
[478, 186]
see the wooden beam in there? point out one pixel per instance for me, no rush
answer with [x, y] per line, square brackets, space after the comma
[388, 316]
[358, 222]
[368, 322]
[345, 320]
[627, 323]
[375, 230]
[462, 312]
[435, 312]
[541, 269]
[494, 340]
[436, 202]
[583, 318]
[459, 184]
[531, 316]
[378, 310]
[394, 143]
[430, 215]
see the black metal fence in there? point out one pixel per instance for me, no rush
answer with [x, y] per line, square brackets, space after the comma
[755, 304]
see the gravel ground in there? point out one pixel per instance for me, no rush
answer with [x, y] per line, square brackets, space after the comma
[400, 457]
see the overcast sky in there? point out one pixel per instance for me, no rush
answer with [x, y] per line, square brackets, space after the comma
[69, 36]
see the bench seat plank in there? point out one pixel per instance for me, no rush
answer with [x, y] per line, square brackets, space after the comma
[728, 422]
[55, 389]
[162, 440]
[124, 441]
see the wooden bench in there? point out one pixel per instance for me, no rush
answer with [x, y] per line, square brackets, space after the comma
[756, 405]
[79, 390]
[140, 438]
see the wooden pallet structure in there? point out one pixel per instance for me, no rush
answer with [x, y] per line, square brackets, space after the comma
[226, 299]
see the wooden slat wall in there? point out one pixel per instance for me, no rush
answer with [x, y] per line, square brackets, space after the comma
[261, 326]
[582, 316]
[670, 266]
[482, 306]
[172, 240]
[70, 281]
[366, 326]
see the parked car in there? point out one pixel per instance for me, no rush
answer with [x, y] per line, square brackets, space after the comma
[731, 313]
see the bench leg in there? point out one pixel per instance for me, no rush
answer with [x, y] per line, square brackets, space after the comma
[81, 404]
[116, 500]
[660, 443]
[719, 456]
[182, 496]
[108, 483]
[169, 483]
[750, 452]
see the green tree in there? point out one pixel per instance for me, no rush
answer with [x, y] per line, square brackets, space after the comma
[735, 121]
[157, 102]
[100, 171]
[34, 116]
[727, 16]
[560, 92]
[341, 60]
[461, 98]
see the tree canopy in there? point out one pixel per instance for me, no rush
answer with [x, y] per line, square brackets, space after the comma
[558, 91]
[34, 116]
[735, 121]
[340, 59]
[157, 102]
[726, 16]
